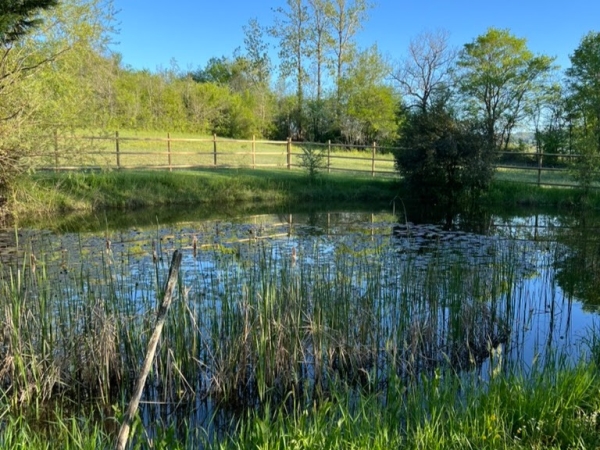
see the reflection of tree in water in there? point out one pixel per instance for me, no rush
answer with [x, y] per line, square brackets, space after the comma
[472, 219]
[578, 271]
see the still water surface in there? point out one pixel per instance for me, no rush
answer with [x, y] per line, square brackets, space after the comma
[544, 264]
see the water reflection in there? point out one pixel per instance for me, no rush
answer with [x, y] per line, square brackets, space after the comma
[347, 295]
[554, 259]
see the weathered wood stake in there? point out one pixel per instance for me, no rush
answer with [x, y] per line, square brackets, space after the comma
[152, 343]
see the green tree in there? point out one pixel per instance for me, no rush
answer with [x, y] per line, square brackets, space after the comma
[583, 81]
[369, 103]
[320, 40]
[345, 19]
[19, 17]
[498, 77]
[292, 29]
[444, 160]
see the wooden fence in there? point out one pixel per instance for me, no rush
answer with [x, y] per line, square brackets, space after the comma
[170, 153]
[122, 152]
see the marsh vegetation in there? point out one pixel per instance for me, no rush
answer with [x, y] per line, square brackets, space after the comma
[290, 321]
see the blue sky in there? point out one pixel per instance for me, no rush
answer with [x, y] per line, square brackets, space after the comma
[153, 33]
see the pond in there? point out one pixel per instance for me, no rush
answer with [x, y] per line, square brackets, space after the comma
[277, 305]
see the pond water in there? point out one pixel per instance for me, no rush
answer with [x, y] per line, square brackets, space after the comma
[276, 303]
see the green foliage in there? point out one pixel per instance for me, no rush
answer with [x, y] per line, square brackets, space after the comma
[584, 84]
[312, 160]
[19, 17]
[499, 76]
[442, 159]
[370, 105]
[583, 108]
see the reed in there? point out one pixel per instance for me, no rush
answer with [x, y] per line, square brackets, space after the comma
[301, 333]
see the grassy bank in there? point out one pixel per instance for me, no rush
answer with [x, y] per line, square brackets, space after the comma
[46, 194]
[551, 411]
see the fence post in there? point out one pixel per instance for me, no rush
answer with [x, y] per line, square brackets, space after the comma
[329, 156]
[540, 156]
[253, 152]
[117, 150]
[215, 150]
[169, 150]
[289, 153]
[55, 150]
[373, 159]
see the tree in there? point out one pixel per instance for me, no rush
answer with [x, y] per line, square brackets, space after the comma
[345, 19]
[370, 105]
[424, 74]
[444, 160]
[217, 70]
[292, 29]
[583, 80]
[19, 17]
[320, 40]
[583, 107]
[498, 77]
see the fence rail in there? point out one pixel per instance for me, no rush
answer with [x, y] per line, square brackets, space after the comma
[170, 153]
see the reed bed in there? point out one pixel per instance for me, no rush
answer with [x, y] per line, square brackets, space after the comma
[266, 318]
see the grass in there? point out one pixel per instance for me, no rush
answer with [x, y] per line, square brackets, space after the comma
[546, 411]
[148, 149]
[42, 196]
[45, 193]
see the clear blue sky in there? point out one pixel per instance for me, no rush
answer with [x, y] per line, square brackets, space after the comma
[153, 33]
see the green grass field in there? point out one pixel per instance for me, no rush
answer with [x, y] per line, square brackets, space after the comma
[179, 150]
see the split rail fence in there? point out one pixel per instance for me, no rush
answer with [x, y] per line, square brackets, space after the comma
[172, 153]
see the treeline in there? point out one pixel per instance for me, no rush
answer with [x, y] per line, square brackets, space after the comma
[60, 73]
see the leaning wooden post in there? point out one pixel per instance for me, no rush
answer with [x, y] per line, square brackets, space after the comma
[152, 343]
[117, 150]
[373, 159]
[289, 153]
[329, 156]
[169, 151]
[215, 150]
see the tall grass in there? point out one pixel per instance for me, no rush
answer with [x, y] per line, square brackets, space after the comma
[47, 194]
[326, 330]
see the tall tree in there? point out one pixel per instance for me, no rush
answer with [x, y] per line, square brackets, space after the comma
[583, 80]
[499, 76]
[257, 53]
[424, 74]
[292, 29]
[370, 104]
[345, 19]
[320, 40]
[19, 17]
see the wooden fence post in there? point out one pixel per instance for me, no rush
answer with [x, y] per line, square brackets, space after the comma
[169, 151]
[373, 159]
[55, 150]
[289, 153]
[329, 156]
[117, 150]
[540, 156]
[215, 150]
[253, 152]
